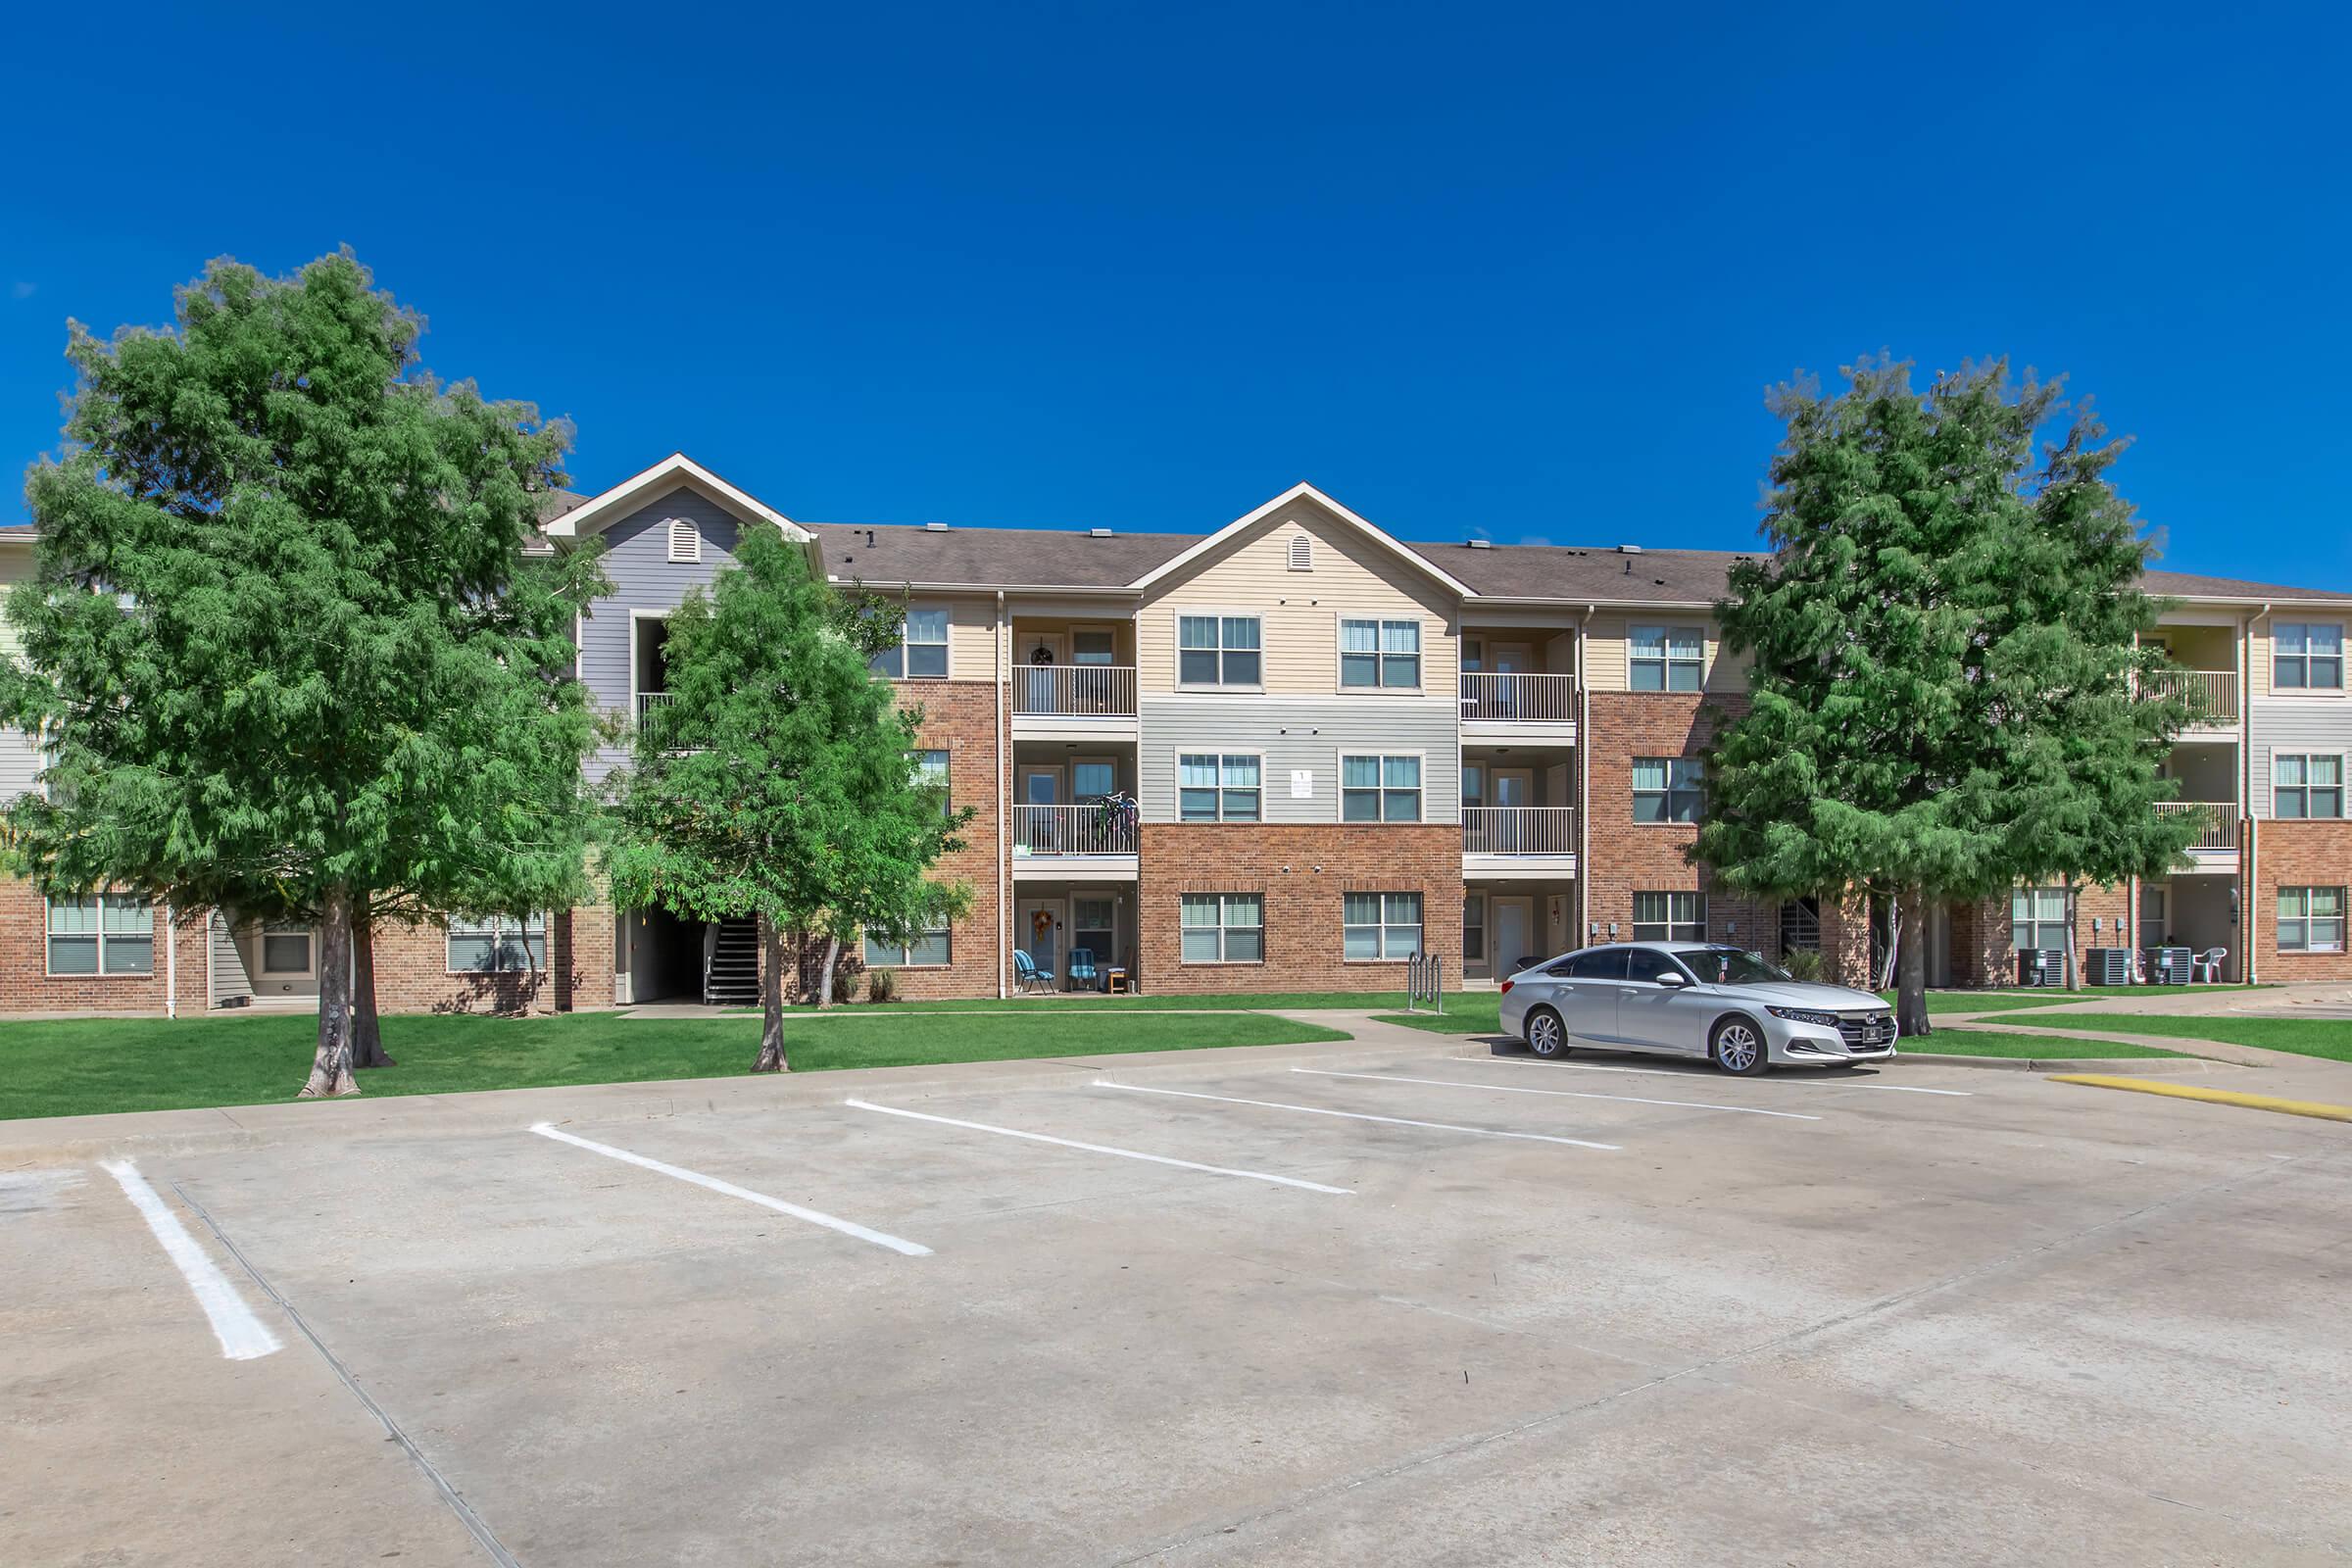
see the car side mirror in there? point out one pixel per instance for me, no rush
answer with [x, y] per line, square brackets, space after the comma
[1671, 979]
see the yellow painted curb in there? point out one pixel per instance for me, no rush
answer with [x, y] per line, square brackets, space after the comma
[2220, 1096]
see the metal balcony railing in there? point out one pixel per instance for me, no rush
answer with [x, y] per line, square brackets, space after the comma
[655, 718]
[2212, 694]
[1089, 829]
[1074, 691]
[1518, 830]
[1521, 699]
[2219, 830]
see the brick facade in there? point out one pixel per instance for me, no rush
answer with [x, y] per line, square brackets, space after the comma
[26, 986]
[2294, 854]
[1300, 871]
[961, 717]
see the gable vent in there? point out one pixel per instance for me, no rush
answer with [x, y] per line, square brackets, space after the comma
[1098, 533]
[935, 527]
[1303, 553]
[685, 540]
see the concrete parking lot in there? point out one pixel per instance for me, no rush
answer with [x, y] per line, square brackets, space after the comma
[1401, 1301]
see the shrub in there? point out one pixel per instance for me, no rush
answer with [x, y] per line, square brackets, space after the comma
[1802, 963]
[845, 982]
[882, 985]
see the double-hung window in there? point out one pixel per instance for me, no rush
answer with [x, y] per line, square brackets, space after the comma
[2307, 656]
[497, 944]
[2309, 784]
[1670, 918]
[1215, 788]
[1666, 789]
[1217, 651]
[1380, 789]
[1380, 925]
[2311, 919]
[931, 776]
[2037, 919]
[286, 947]
[1667, 658]
[101, 933]
[921, 651]
[929, 951]
[1380, 652]
[1224, 928]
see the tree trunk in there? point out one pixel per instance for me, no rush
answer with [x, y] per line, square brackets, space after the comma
[1911, 966]
[824, 977]
[330, 1068]
[771, 999]
[366, 1034]
[2074, 970]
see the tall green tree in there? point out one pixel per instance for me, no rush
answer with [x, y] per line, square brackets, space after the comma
[780, 782]
[288, 638]
[1948, 689]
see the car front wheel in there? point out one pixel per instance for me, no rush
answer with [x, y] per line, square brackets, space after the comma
[1546, 1036]
[1739, 1048]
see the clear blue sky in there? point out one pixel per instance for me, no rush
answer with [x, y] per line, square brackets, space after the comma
[1507, 272]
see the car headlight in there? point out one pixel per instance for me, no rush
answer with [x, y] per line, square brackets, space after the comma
[1828, 1021]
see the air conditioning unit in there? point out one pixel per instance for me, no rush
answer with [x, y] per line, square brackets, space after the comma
[2171, 966]
[2107, 967]
[2040, 966]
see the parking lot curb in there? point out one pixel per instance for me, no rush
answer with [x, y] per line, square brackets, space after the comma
[2060, 1064]
[2218, 1096]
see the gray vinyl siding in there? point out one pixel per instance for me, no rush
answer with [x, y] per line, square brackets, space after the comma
[20, 761]
[644, 577]
[2295, 724]
[1293, 735]
[229, 979]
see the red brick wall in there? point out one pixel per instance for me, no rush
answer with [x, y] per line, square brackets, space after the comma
[2294, 855]
[1301, 870]
[1981, 947]
[26, 985]
[1626, 856]
[961, 715]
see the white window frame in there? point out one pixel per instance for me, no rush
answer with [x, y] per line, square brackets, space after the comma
[1221, 651]
[1301, 552]
[1388, 931]
[1225, 923]
[2306, 789]
[98, 935]
[1419, 790]
[684, 529]
[943, 781]
[281, 930]
[877, 952]
[2037, 918]
[1381, 626]
[1666, 662]
[2306, 919]
[1685, 782]
[893, 663]
[1474, 918]
[1224, 787]
[1692, 927]
[2305, 658]
[500, 929]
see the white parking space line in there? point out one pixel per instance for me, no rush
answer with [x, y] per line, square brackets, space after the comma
[1570, 1094]
[1669, 1072]
[1102, 1149]
[1357, 1115]
[242, 1336]
[812, 1216]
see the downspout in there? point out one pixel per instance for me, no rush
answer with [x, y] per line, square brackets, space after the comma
[2245, 793]
[172, 962]
[999, 645]
[1584, 789]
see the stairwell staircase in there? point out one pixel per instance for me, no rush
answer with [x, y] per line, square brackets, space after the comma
[731, 973]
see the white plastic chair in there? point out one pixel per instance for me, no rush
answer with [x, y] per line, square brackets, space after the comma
[2207, 965]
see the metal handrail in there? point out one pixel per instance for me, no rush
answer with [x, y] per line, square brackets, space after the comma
[1074, 691]
[2219, 831]
[1519, 830]
[1086, 829]
[1531, 698]
[2211, 694]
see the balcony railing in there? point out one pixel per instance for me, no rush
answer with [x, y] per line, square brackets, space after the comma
[1072, 830]
[2218, 828]
[656, 716]
[1520, 699]
[1074, 691]
[1518, 830]
[2211, 694]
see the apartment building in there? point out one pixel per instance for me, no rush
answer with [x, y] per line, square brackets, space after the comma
[1344, 750]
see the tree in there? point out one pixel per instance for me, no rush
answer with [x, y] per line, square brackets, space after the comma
[1947, 690]
[779, 783]
[287, 637]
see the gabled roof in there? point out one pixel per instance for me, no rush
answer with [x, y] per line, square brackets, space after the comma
[885, 556]
[677, 471]
[1247, 520]
[2188, 585]
[1597, 576]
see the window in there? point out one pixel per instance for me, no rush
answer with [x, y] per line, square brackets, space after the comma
[1092, 778]
[497, 944]
[1380, 789]
[1666, 789]
[1474, 929]
[2307, 785]
[1092, 645]
[2307, 656]
[926, 952]
[101, 933]
[1380, 652]
[685, 540]
[1800, 925]
[286, 947]
[1216, 651]
[1644, 966]
[2154, 930]
[1602, 963]
[1303, 553]
[931, 773]
[1210, 788]
[1224, 928]
[2037, 919]
[1667, 658]
[1670, 918]
[1380, 925]
[1093, 926]
[922, 652]
[2311, 919]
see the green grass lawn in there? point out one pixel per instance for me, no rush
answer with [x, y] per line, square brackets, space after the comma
[77, 1067]
[2330, 1038]
[1244, 1000]
[1986, 1043]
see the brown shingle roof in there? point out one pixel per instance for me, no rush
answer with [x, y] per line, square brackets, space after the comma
[1590, 575]
[1023, 557]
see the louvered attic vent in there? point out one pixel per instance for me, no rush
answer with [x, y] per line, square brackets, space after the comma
[685, 541]
[1303, 553]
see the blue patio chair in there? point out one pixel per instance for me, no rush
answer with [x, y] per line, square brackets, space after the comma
[1029, 975]
[1082, 969]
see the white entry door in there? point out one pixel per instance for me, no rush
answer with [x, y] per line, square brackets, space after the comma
[1513, 936]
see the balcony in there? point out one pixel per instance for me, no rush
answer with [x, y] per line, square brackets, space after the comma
[1073, 840]
[1073, 702]
[1519, 840]
[2217, 838]
[2211, 694]
[1521, 707]
[655, 718]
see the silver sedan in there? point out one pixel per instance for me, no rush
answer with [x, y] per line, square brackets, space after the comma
[1681, 998]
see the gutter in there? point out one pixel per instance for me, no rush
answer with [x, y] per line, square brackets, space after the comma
[999, 638]
[1584, 789]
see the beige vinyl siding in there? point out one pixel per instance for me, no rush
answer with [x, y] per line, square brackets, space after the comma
[2292, 725]
[1608, 663]
[19, 757]
[16, 564]
[971, 636]
[1300, 612]
[2260, 644]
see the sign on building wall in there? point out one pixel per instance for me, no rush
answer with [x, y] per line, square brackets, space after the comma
[1302, 783]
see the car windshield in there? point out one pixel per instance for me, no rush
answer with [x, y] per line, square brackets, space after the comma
[1729, 966]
